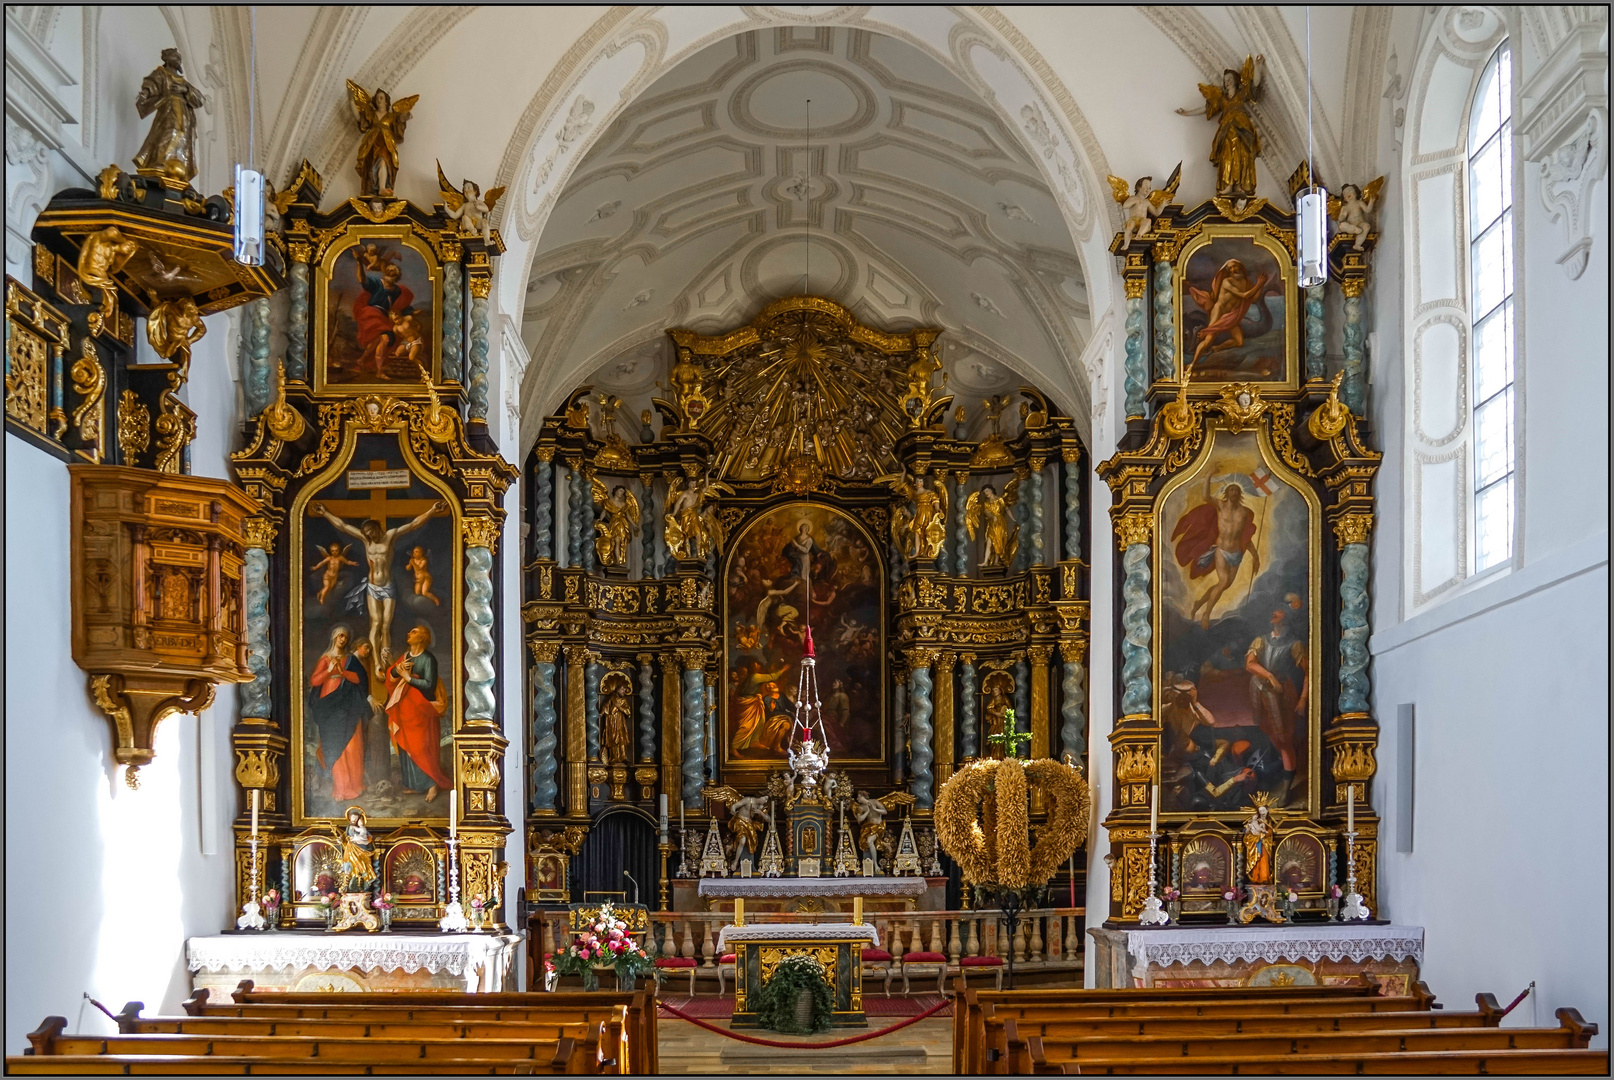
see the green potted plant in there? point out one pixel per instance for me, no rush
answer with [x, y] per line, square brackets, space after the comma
[797, 998]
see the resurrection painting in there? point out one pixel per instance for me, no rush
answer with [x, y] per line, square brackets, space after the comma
[795, 565]
[380, 314]
[1237, 633]
[378, 560]
[1234, 318]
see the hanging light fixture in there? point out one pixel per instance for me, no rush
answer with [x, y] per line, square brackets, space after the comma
[1311, 211]
[249, 232]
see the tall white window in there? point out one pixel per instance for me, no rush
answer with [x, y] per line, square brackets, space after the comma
[1490, 198]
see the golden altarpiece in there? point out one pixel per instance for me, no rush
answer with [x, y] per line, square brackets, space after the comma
[1242, 507]
[806, 469]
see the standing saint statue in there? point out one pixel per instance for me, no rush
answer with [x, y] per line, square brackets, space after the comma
[618, 525]
[381, 127]
[169, 151]
[358, 854]
[1236, 144]
[616, 703]
[1002, 534]
[920, 528]
[1259, 841]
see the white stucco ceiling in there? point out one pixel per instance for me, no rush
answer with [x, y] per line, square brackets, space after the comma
[909, 201]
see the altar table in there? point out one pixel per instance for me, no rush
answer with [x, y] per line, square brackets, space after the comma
[787, 888]
[317, 961]
[1308, 954]
[759, 947]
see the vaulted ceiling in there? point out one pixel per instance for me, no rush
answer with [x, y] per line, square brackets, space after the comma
[907, 200]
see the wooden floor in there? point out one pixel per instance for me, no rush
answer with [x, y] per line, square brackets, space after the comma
[925, 1047]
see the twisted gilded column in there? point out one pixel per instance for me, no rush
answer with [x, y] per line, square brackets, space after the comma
[574, 513]
[694, 721]
[1165, 349]
[255, 698]
[1073, 699]
[969, 733]
[1353, 388]
[543, 525]
[961, 536]
[921, 731]
[476, 367]
[1073, 505]
[576, 731]
[647, 710]
[1351, 531]
[591, 706]
[672, 727]
[1137, 365]
[545, 765]
[1316, 336]
[647, 528]
[453, 320]
[297, 316]
[1041, 722]
[255, 379]
[945, 663]
[1137, 687]
[1038, 521]
[479, 672]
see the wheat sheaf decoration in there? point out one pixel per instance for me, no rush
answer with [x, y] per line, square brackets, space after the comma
[982, 822]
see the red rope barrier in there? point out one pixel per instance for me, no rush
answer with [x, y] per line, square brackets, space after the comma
[1515, 1002]
[782, 1045]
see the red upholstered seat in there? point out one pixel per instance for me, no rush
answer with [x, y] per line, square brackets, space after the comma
[726, 958]
[675, 961]
[921, 957]
[875, 954]
[981, 961]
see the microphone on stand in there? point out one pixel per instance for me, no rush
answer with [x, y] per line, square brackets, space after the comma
[635, 886]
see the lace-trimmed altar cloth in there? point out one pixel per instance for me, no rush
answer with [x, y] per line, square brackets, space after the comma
[456, 954]
[1234, 944]
[789, 887]
[798, 932]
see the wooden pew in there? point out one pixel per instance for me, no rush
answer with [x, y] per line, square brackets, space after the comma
[433, 1006]
[579, 1051]
[1448, 1063]
[167, 1065]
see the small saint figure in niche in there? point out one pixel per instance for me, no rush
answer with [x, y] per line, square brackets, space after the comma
[338, 706]
[335, 558]
[416, 702]
[1259, 840]
[1236, 145]
[358, 854]
[170, 147]
[997, 689]
[616, 703]
[418, 565]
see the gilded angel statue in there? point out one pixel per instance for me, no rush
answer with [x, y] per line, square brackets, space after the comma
[468, 207]
[920, 528]
[870, 813]
[172, 328]
[692, 527]
[103, 254]
[1352, 210]
[985, 511]
[748, 814]
[1236, 145]
[381, 123]
[1142, 204]
[170, 147]
[618, 525]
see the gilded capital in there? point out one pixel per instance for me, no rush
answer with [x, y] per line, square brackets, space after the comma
[1133, 527]
[1136, 286]
[1073, 651]
[1354, 286]
[1353, 528]
[920, 657]
[1040, 654]
[544, 652]
[259, 532]
[480, 531]
[945, 662]
[481, 285]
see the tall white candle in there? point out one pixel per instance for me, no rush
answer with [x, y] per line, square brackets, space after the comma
[257, 794]
[680, 815]
[1350, 807]
[454, 815]
[662, 819]
[1154, 807]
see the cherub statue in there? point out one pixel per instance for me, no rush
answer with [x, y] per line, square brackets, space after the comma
[987, 511]
[618, 525]
[692, 527]
[172, 328]
[920, 528]
[870, 814]
[381, 123]
[1236, 145]
[468, 207]
[275, 205]
[1142, 204]
[1352, 210]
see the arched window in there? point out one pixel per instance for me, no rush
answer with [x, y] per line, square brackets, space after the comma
[1490, 245]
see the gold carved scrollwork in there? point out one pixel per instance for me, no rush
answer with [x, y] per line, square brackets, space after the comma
[479, 768]
[89, 382]
[256, 768]
[769, 957]
[1331, 416]
[1242, 405]
[1354, 763]
[1134, 764]
[1135, 875]
[134, 426]
[1177, 417]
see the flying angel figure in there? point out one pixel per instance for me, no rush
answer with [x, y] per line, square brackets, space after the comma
[987, 507]
[1352, 210]
[619, 523]
[1143, 203]
[381, 125]
[919, 529]
[468, 207]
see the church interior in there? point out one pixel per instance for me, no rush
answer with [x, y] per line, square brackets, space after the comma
[907, 539]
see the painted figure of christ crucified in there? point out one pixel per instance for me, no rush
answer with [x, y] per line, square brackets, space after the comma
[377, 595]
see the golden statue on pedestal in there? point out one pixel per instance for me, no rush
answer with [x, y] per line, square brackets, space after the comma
[1236, 144]
[1260, 842]
[618, 525]
[169, 151]
[987, 511]
[381, 123]
[692, 528]
[920, 528]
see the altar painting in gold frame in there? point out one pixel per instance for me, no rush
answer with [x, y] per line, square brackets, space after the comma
[1238, 631]
[1237, 305]
[377, 311]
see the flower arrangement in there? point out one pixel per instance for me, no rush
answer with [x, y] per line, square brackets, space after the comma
[775, 1003]
[384, 902]
[1335, 892]
[271, 902]
[1170, 895]
[604, 943]
[1293, 897]
[1233, 894]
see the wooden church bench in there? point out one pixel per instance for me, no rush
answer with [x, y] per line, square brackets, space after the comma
[1447, 1063]
[167, 1065]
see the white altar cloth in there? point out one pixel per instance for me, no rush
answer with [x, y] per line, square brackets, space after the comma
[1232, 944]
[788, 887]
[483, 960]
[798, 932]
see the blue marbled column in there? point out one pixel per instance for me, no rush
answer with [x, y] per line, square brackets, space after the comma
[543, 525]
[711, 730]
[591, 707]
[1316, 337]
[921, 734]
[479, 672]
[969, 732]
[1353, 388]
[255, 377]
[545, 739]
[961, 536]
[647, 710]
[453, 321]
[1353, 629]
[585, 524]
[1039, 528]
[1073, 705]
[1137, 661]
[574, 517]
[898, 567]
[1022, 519]
[1073, 511]
[1022, 697]
[297, 324]
[476, 383]
[1165, 330]
[647, 532]
[694, 734]
[1137, 365]
[255, 698]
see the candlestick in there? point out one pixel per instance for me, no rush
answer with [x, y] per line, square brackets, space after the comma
[1154, 808]
[662, 817]
[1153, 914]
[257, 794]
[453, 815]
[680, 815]
[453, 920]
[250, 918]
